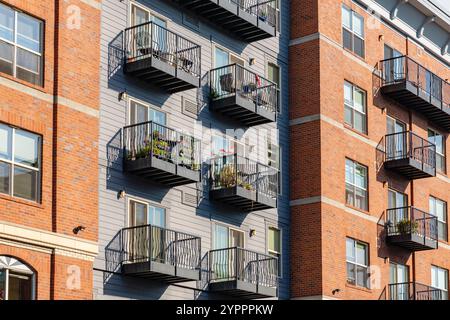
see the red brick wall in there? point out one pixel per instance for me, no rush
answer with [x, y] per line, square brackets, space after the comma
[319, 149]
[69, 167]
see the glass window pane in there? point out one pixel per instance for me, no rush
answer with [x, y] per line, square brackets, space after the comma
[350, 194]
[5, 142]
[6, 23]
[26, 148]
[5, 173]
[348, 115]
[274, 240]
[358, 24]
[361, 253]
[28, 32]
[6, 58]
[361, 276]
[348, 93]
[351, 273]
[221, 58]
[350, 249]
[361, 199]
[358, 46]
[158, 216]
[25, 183]
[346, 18]
[347, 39]
[440, 210]
[360, 122]
[274, 74]
[349, 171]
[19, 287]
[360, 101]
[158, 117]
[27, 60]
[138, 213]
[361, 176]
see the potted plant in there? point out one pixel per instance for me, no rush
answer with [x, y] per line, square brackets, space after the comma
[227, 176]
[407, 226]
[263, 15]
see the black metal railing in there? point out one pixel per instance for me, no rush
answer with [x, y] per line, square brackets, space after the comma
[243, 265]
[401, 69]
[152, 40]
[232, 170]
[413, 291]
[149, 139]
[235, 79]
[410, 220]
[148, 243]
[407, 144]
[265, 10]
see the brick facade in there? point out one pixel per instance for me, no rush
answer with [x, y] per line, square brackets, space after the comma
[65, 113]
[320, 143]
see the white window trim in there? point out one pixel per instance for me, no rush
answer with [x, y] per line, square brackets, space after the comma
[15, 45]
[145, 8]
[352, 107]
[229, 227]
[355, 242]
[28, 272]
[280, 86]
[230, 53]
[435, 199]
[146, 104]
[353, 182]
[280, 254]
[363, 38]
[148, 203]
[439, 286]
[13, 164]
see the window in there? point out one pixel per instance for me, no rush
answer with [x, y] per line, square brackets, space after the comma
[225, 237]
[223, 58]
[19, 163]
[222, 146]
[274, 160]
[439, 140]
[142, 213]
[353, 31]
[438, 208]
[21, 45]
[399, 282]
[141, 113]
[356, 185]
[273, 73]
[393, 65]
[439, 280]
[357, 263]
[274, 245]
[16, 280]
[355, 107]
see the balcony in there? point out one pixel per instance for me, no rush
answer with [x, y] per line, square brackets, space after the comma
[242, 273]
[410, 155]
[414, 291]
[157, 253]
[162, 154]
[161, 58]
[243, 183]
[243, 95]
[250, 20]
[413, 86]
[412, 229]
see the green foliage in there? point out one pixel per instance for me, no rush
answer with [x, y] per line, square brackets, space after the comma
[407, 226]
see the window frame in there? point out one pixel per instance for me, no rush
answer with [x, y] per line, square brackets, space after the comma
[129, 222]
[270, 62]
[148, 106]
[435, 200]
[229, 228]
[15, 46]
[13, 164]
[446, 289]
[356, 264]
[355, 186]
[279, 255]
[355, 89]
[352, 32]
[443, 155]
[228, 51]
[22, 269]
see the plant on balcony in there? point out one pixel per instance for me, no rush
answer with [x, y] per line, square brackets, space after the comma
[407, 226]
[161, 147]
[263, 15]
[213, 94]
[227, 176]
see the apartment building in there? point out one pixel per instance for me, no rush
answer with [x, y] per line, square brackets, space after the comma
[369, 131]
[49, 88]
[193, 150]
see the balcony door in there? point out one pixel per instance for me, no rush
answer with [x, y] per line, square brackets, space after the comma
[396, 147]
[224, 262]
[394, 67]
[141, 236]
[146, 38]
[399, 282]
[399, 202]
[223, 78]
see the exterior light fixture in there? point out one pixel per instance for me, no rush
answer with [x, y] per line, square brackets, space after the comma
[78, 229]
[252, 232]
[121, 194]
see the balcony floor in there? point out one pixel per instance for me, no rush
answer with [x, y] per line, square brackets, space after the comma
[243, 110]
[242, 289]
[161, 74]
[412, 242]
[162, 171]
[160, 271]
[410, 168]
[407, 94]
[231, 18]
[246, 200]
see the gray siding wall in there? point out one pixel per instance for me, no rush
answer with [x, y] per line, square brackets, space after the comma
[181, 216]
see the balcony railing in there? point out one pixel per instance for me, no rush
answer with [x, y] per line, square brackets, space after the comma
[414, 291]
[155, 252]
[161, 153]
[415, 87]
[410, 155]
[242, 273]
[243, 95]
[162, 57]
[244, 183]
[411, 228]
[250, 20]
